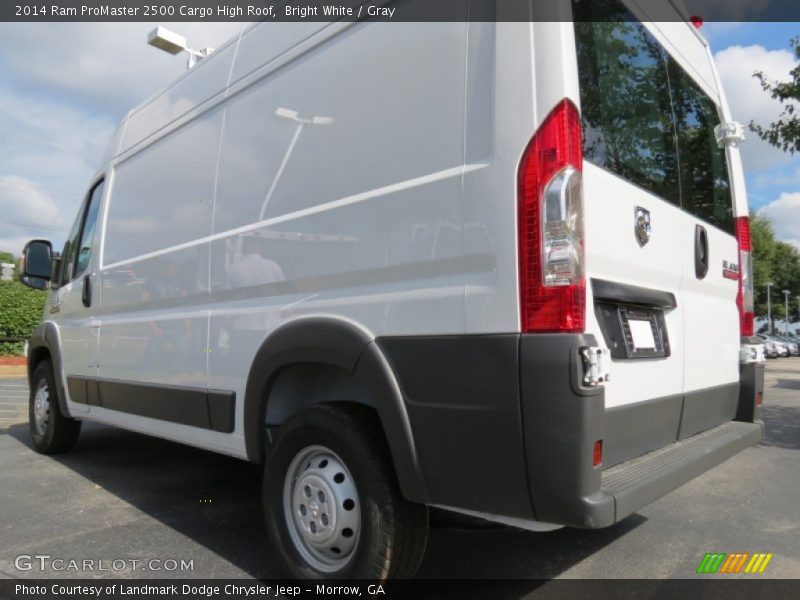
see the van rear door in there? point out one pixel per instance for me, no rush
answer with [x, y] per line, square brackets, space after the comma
[662, 255]
[710, 259]
[634, 226]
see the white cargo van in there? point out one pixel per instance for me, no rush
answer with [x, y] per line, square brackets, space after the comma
[497, 268]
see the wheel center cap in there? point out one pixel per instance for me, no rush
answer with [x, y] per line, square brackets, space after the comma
[38, 406]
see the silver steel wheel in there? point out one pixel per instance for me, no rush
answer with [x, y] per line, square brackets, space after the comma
[322, 508]
[41, 408]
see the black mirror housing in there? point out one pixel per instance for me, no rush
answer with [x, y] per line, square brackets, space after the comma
[36, 283]
[36, 265]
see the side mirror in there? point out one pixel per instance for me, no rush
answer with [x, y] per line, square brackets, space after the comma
[36, 264]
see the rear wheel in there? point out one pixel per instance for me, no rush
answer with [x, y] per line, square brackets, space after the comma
[51, 431]
[332, 503]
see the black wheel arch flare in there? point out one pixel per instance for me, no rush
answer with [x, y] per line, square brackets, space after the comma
[337, 343]
[44, 345]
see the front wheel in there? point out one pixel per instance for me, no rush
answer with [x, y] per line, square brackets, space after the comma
[51, 431]
[332, 503]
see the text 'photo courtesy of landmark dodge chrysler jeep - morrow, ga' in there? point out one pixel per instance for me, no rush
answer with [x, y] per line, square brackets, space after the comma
[504, 271]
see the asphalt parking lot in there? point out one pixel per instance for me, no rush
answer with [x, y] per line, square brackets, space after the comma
[125, 496]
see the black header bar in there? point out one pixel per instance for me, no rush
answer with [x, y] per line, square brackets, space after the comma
[473, 589]
[159, 11]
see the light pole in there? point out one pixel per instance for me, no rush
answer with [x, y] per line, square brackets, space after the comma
[786, 312]
[292, 115]
[172, 43]
[769, 309]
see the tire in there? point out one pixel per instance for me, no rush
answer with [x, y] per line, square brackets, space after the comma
[51, 431]
[339, 450]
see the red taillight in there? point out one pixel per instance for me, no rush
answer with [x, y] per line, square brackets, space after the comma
[743, 233]
[697, 21]
[744, 298]
[597, 454]
[552, 284]
[759, 398]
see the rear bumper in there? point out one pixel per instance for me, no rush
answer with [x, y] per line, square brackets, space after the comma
[504, 426]
[687, 435]
[636, 483]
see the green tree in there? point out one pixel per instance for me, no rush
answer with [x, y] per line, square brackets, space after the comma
[776, 262]
[21, 310]
[785, 132]
[785, 276]
[762, 237]
[7, 257]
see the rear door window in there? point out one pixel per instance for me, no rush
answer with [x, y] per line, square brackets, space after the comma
[706, 188]
[625, 99]
[644, 118]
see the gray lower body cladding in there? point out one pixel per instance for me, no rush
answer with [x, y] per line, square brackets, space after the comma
[503, 425]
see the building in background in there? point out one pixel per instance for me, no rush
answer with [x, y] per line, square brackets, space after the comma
[7, 271]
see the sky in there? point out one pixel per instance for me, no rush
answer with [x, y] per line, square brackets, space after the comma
[773, 176]
[66, 86]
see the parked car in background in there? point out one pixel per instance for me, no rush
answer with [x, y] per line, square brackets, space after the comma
[791, 345]
[770, 346]
[783, 349]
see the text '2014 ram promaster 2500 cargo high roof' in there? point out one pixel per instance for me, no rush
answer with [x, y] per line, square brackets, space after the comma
[497, 268]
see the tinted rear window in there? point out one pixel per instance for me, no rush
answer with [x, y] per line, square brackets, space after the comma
[625, 101]
[644, 118]
[706, 189]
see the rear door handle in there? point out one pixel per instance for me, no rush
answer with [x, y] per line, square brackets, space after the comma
[87, 291]
[700, 251]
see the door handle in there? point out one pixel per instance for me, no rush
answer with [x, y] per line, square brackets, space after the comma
[86, 296]
[700, 251]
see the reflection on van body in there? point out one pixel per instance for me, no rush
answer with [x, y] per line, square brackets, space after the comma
[156, 328]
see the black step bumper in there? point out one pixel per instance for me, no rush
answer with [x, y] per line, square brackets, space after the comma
[562, 420]
[503, 425]
[636, 483]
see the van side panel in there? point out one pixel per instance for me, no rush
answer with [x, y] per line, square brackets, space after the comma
[338, 191]
[500, 122]
[265, 42]
[155, 281]
[207, 79]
